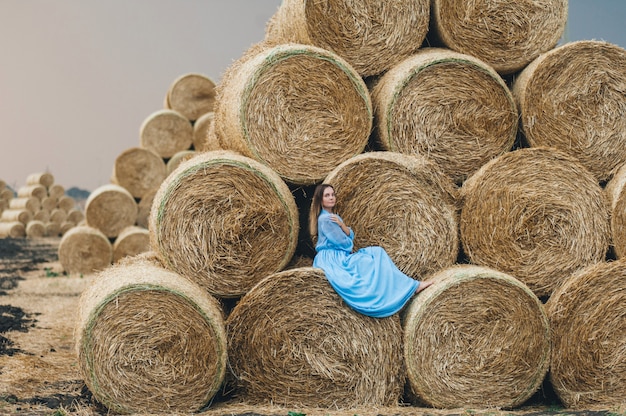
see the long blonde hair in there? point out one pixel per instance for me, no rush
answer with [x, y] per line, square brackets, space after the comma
[316, 207]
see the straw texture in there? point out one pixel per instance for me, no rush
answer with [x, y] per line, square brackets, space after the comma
[588, 320]
[35, 229]
[144, 206]
[616, 196]
[110, 209]
[56, 191]
[138, 170]
[149, 341]
[12, 229]
[536, 214]
[293, 342]
[299, 109]
[476, 338]
[84, 249]
[37, 191]
[176, 160]
[505, 34]
[371, 35]
[192, 95]
[131, 241]
[45, 179]
[21, 215]
[224, 221]
[166, 132]
[448, 106]
[573, 99]
[402, 203]
[31, 203]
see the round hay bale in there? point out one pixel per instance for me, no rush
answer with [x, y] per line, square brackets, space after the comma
[202, 141]
[3, 205]
[131, 241]
[58, 215]
[53, 229]
[49, 203]
[588, 320]
[30, 203]
[44, 178]
[144, 332]
[66, 203]
[176, 160]
[495, 353]
[22, 215]
[224, 221]
[75, 215]
[6, 194]
[614, 191]
[37, 191]
[448, 106]
[144, 206]
[65, 226]
[84, 250]
[56, 191]
[138, 169]
[505, 34]
[572, 99]
[371, 35]
[298, 109]
[3, 184]
[536, 214]
[293, 342]
[192, 95]
[110, 208]
[12, 229]
[166, 132]
[402, 203]
[42, 215]
[35, 229]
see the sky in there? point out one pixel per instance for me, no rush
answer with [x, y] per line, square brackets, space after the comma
[79, 77]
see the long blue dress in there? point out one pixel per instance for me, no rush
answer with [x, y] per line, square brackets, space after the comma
[367, 280]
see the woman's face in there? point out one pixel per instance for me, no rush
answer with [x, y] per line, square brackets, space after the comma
[328, 199]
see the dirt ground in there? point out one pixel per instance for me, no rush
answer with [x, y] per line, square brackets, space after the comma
[38, 367]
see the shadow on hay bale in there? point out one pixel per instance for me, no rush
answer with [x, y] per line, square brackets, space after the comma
[616, 195]
[149, 340]
[292, 341]
[224, 221]
[402, 203]
[588, 320]
[477, 338]
[536, 214]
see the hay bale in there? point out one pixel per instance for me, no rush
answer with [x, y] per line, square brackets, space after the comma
[202, 140]
[298, 109]
[293, 342]
[44, 178]
[144, 206]
[477, 338]
[131, 241]
[166, 132]
[66, 203]
[52, 229]
[6, 194]
[536, 214]
[30, 203]
[505, 34]
[616, 196]
[35, 229]
[42, 215]
[37, 191]
[176, 160]
[588, 320]
[224, 221]
[49, 203]
[12, 229]
[22, 215]
[572, 99]
[402, 203]
[110, 209]
[84, 250]
[65, 226]
[192, 95]
[58, 215]
[56, 191]
[149, 341]
[138, 169]
[371, 35]
[448, 106]
[75, 215]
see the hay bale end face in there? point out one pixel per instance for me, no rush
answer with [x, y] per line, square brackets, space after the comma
[45, 179]
[298, 109]
[27, 191]
[12, 229]
[35, 229]
[615, 191]
[84, 249]
[588, 320]
[224, 221]
[505, 34]
[403, 203]
[138, 170]
[293, 342]
[448, 106]
[110, 209]
[192, 95]
[131, 241]
[150, 341]
[202, 142]
[572, 99]
[536, 214]
[477, 338]
[166, 132]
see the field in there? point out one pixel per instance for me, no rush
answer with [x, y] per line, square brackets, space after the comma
[38, 366]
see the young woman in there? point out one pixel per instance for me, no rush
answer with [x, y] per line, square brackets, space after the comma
[367, 280]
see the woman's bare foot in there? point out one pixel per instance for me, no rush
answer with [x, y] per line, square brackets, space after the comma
[423, 285]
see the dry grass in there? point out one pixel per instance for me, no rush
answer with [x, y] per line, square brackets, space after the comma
[192, 95]
[84, 249]
[110, 208]
[166, 132]
[138, 170]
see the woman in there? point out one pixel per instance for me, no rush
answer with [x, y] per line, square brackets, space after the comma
[367, 280]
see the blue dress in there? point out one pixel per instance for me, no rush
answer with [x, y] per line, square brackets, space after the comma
[367, 280]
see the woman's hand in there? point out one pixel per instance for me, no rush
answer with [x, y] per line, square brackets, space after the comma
[334, 218]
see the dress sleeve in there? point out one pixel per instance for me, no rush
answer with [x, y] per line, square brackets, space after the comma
[335, 235]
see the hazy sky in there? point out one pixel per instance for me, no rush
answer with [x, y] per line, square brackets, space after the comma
[78, 77]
